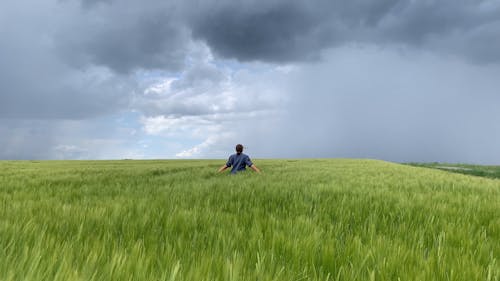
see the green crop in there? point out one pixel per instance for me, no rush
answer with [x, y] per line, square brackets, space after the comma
[337, 219]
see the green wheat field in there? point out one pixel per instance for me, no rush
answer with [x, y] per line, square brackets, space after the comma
[325, 219]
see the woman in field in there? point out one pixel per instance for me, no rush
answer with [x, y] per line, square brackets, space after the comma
[239, 161]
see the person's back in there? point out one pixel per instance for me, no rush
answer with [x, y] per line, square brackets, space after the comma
[239, 161]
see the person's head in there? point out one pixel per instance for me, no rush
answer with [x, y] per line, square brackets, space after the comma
[239, 148]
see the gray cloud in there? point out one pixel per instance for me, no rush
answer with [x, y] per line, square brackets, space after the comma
[92, 3]
[281, 31]
[71, 59]
[376, 103]
[57, 93]
[295, 30]
[25, 139]
[383, 103]
[478, 45]
[125, 37]
[278, 33]
[35, 79]
[96, 138]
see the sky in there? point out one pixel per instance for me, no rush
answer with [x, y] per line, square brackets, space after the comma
[396, 80]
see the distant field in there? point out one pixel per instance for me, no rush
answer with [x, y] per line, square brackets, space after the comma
[466, 169]
[335, 219]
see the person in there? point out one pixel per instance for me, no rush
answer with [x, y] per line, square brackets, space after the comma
[239, 161]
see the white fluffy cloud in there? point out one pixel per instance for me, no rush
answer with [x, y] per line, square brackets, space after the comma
[212, 103]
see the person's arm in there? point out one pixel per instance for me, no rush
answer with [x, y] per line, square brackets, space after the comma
[251, 165]
[255, 168]
[227, 165]
[222, 169]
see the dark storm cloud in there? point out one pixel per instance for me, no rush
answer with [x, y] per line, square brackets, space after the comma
[74, 98]
[377, 103]
[54, 44]
[278, 33]
[284, 30]
[66, 59]
[125, 36]
[36, 82]
[128, 35]
[295, 30]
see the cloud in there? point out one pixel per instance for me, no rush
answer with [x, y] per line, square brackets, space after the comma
[211, 113]
[478, 45]
[178, 126]
[104, 137]
[279, 32]
[202, 88]
[393, 105]
[385, 103]
[206, 148]
[92, 3]
[25, 139]
[62, 93]
[75, 59]
[124, 37]
[356, 78]
[284, 31]
[35, 80]
[132, 36]
[70, 152]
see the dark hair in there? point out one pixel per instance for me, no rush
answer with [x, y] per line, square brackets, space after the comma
[239, 149]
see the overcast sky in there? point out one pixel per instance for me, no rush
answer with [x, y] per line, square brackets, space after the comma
[398, 80]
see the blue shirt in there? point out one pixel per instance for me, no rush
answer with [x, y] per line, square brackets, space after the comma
[238, 162]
